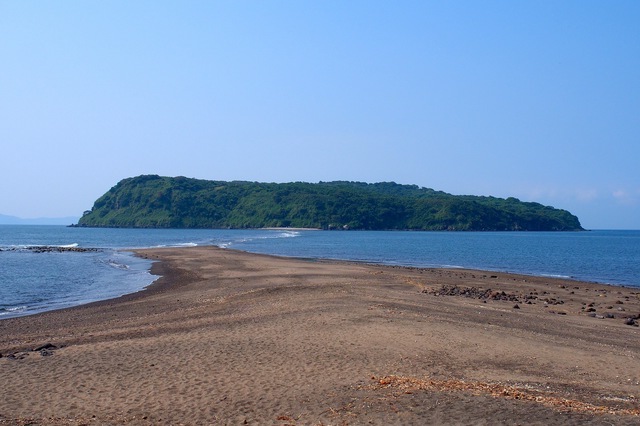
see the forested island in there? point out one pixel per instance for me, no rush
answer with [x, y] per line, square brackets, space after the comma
[152, 201]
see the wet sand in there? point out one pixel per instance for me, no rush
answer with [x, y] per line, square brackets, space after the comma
[227, 337]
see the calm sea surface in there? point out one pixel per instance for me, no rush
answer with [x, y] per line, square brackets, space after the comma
[33, 282]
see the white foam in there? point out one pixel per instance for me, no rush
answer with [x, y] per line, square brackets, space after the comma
[556, 276]
[69, 245]
[13, 311]
[290, 234]
[285, 234]
[118, 265]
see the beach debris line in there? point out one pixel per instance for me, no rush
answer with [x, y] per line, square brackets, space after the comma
[408, 385]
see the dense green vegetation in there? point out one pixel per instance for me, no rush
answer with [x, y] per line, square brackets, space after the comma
[162, 202]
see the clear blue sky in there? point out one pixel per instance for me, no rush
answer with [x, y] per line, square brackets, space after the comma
[539, 100]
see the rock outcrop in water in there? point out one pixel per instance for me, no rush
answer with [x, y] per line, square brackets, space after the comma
[52, 249]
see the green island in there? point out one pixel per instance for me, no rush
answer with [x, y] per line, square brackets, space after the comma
[152, 201]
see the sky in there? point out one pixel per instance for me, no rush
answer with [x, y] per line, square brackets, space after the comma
[538, 100]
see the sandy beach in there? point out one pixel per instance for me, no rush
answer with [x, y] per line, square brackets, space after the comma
[227, 337]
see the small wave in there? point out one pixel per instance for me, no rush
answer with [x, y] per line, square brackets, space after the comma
[115, 264]
[228, 244]
[447, 266]
[568, 277]
[173, 245]
[17, 309]
[285, 234]
[13, 310]
[290, 234]
[118, 265]
[74, 245]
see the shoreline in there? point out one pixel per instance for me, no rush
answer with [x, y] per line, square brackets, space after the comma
[168, 277]
[157, 266]
[228, 336]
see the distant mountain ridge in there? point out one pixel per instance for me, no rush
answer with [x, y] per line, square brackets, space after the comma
[13, 220]
[152, 201]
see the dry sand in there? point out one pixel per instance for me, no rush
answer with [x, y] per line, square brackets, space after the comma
[228, 337]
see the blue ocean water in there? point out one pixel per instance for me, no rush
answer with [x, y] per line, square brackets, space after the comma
[32, 282]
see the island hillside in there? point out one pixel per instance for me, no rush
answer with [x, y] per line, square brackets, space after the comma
[152, 201]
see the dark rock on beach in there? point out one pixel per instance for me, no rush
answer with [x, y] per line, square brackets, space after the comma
[46, 346]
[44, 350]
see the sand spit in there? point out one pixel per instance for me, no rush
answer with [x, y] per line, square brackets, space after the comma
[227, 337]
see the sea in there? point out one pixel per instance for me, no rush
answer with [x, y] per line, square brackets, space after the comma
[34, 280]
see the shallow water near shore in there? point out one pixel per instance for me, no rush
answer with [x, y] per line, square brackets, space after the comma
[33, 281]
